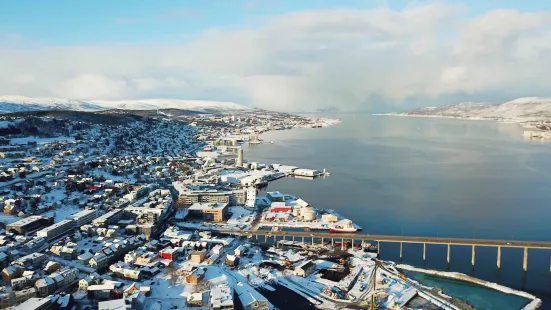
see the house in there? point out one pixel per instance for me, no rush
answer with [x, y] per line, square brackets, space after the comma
[251, 299]
[31, 260]
[195, 299]
[240, 250]
[169, 253]
[101, 291]
[135, 300]
[212, 259]
[197, 256]
[196, 276]
[221, 297]
[24, 295]
[45, 286]
[12, 272]
[91, 279]
[304, 268]
[99, 260]
[232, 260]
[51, 266]
[20, 283]
[217, 249]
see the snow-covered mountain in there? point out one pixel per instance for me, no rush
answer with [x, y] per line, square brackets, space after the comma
[21, 103]
[152, 104]
[522, 110]
[10, 104]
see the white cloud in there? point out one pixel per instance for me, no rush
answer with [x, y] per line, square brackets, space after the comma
[354, 59]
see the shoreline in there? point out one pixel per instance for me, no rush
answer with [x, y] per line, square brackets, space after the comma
[534, 303]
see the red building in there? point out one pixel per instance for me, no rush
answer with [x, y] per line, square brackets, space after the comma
[169, 253]
[280, 207]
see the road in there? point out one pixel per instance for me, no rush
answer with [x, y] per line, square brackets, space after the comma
[404, 239]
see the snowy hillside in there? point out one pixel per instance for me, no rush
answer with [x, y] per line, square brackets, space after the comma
[20, 103]
[520, 110]
[151, 104]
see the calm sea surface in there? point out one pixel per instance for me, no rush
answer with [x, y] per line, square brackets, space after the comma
[429, 177]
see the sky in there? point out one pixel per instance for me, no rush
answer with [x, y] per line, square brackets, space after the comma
[286, 55]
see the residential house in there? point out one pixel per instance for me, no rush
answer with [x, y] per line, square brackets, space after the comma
[197, 256]
[196, 276]
[45, 286]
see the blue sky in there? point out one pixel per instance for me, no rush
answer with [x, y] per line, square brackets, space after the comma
[129, 21]
[357, 55]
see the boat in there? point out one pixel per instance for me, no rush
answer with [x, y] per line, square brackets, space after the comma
[344, 226]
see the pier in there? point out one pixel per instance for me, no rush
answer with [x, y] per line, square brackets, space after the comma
[342, 238]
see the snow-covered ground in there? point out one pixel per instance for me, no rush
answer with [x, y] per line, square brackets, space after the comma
[39, 140]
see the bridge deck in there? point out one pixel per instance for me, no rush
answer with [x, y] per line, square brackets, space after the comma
[404, 239]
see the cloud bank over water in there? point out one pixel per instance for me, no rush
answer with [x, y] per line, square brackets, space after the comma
[373, 59]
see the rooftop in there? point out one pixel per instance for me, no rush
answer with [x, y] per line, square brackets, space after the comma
[116, 304]
[208, 206]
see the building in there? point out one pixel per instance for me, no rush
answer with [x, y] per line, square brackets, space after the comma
[280, 207]
[275, 196]
[83, 217]
[221, 297]
[214, 212]
[25, 294]
[238, 197]
[197, 256]
[195, 299]
[116, 304]
[169, 253]
[108, 218]
[251, 299]
[35, 304]
[101, 291]
[45, 286]
[328, 217]
[30, 224]
[31, 260]
[239, 162]
[151, 215]
[240, 250]
[304, 268]
[56, 230]
[196, 276]
[189, 195]
[251, 198]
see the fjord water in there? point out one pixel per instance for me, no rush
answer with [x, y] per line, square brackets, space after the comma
[429, 177]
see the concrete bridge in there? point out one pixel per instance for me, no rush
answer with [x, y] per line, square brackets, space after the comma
[342, 238]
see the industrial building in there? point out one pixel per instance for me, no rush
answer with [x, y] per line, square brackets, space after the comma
[84, 217]
[56, 230]
[30, 224]
[209, 211]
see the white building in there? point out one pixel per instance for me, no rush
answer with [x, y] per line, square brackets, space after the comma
[251, 198]
[56, 230]
[84, 217]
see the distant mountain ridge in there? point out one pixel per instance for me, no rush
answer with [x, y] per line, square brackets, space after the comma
[526, 111]
[9, 104]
